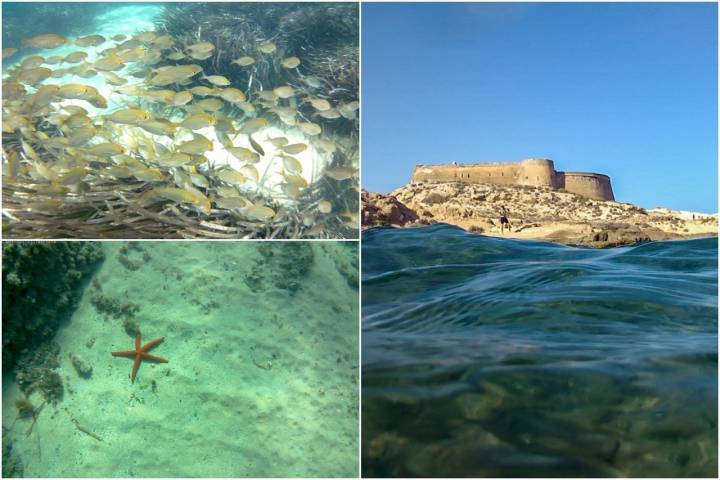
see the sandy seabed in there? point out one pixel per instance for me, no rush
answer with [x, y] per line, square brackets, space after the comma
[261, 381]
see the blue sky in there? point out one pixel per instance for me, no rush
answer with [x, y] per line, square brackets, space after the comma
[629, 90]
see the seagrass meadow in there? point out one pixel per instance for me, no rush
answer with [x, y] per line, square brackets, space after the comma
[180, 120]
[249, 367]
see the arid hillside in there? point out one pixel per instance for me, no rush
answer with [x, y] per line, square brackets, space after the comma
[535, 213]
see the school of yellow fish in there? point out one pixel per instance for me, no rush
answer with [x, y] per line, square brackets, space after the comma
[60, 137]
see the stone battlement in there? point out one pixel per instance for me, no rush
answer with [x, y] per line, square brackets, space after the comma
[537, 172]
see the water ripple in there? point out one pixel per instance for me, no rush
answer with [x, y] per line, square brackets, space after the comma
[525, 346]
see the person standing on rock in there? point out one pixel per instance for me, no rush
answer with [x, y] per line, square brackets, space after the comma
[504, 220]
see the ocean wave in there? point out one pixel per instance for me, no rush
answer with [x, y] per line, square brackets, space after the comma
[521, 340]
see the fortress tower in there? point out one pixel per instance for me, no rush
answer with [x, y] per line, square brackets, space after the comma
[537, 172]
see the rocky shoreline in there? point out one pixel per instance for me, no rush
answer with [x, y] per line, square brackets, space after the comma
[536, 213]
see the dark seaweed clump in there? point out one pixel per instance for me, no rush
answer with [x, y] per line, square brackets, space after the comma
[35, 371]
[12, 466]
[348, 265]
[42, 284]
[283, 265]
[346, 257]
[116, 308]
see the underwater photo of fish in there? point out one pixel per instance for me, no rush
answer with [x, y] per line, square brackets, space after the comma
[240, 361]
[180, 120]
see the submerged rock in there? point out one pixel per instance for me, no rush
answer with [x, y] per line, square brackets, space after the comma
[12, 465]
[83, 368]
[42, 283]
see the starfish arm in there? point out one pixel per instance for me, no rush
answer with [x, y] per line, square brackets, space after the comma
[136, 365]
[140, 354]
[150, 345]
[147, 356]
[126, 353]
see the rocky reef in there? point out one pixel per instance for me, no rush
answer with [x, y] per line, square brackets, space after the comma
[12, 466]
[379, 209]
[42, 283]
[281, 265]
[537, 213]
[346, 257]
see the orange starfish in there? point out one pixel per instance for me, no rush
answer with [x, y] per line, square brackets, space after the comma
[140, 354]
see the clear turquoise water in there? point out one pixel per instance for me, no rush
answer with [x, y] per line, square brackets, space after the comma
[261, 381]
[495, 357]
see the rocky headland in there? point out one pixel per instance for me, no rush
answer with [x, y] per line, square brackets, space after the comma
[538, 213]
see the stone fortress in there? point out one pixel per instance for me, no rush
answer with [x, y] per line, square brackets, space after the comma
[533, 172]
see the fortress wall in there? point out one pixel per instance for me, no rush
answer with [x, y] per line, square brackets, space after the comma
[591, 185]
[433, 173]
[501, 173]
[534, 172]
[537, 172]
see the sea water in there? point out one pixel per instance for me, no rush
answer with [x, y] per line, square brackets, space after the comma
[495, 357]
[76, 19]
[262, 376]
[320, 35]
